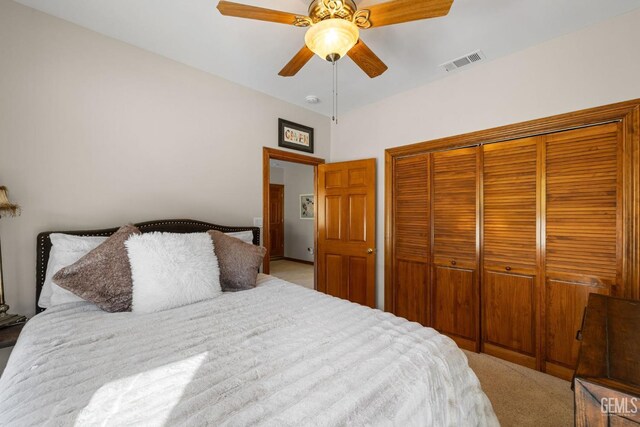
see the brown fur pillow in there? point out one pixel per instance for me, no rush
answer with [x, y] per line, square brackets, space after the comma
[103, 276]
[239, 262]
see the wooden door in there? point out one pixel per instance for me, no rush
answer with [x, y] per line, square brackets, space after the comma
[276, 220]
[346, 206]
[583, 233]
[454, 294]
[510, 256]
[412, 231]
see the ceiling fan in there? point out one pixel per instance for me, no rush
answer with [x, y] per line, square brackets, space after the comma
[334, 27]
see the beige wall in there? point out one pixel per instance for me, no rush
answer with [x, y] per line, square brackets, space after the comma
[277, 175]
[596, 66]
[298, 233]
[95, 133]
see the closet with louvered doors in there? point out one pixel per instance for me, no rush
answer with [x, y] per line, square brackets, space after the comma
[454, 281]
[510, 257]
[583, 228]
[497, 242]
[412, 231]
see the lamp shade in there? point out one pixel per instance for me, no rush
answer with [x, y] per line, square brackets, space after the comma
[331, 39]
[6, 207]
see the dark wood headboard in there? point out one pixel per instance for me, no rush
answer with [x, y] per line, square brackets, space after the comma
[166, 225]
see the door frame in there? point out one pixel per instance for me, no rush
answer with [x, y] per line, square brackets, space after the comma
[269, 154]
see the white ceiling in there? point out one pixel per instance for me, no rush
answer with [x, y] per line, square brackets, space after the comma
[252, 52]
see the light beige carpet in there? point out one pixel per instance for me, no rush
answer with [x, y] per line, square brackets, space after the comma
[523, 397]
[294, 272]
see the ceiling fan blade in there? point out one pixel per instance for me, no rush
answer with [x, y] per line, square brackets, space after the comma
[228, 8]
[398, 11]
[367, 60]
[297, 62]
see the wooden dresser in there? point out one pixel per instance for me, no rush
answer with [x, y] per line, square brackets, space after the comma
[607, 379]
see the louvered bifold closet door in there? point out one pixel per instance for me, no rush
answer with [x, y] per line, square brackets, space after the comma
[510, 256]
[411, 228]
[455, 296]
[583, 232]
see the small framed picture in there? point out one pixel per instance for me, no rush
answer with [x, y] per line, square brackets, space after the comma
[306, 206]
[295, 136]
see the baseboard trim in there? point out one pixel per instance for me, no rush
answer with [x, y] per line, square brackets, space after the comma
[510, 355]
[559, 371]
[464, 343]
[301, 261]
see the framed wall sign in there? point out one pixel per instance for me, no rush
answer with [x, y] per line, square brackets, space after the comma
[295, 136]
[306, 206]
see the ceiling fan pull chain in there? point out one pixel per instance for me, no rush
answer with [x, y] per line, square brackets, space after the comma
[335, 91]
[337, 96]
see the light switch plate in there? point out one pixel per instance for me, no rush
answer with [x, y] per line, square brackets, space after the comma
[257, 222]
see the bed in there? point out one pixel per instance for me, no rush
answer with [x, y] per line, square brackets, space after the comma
[276, 355]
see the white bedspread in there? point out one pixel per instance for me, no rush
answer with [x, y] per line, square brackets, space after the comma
[278, 355]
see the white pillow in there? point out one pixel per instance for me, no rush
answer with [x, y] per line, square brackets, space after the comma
[66, 250]
[62, 296]
[171, 270]
[245, 236]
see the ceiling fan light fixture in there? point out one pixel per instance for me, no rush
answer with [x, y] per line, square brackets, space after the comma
[331, 39]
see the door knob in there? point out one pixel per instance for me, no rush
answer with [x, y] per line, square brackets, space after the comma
[370, 251]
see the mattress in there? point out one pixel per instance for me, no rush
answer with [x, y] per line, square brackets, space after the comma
[277, 355]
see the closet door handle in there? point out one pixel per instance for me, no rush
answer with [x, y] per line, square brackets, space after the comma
[507, 268]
